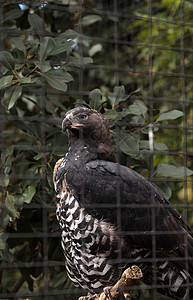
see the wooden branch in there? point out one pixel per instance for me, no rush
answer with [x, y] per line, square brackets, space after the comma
[128, 279]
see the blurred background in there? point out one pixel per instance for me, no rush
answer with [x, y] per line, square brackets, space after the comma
[129, 59]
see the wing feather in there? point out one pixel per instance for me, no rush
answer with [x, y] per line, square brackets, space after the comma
[128, 201]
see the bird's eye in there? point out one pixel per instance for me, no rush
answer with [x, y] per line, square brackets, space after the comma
[83, 117]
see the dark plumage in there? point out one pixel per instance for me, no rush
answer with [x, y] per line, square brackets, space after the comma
[111, 217]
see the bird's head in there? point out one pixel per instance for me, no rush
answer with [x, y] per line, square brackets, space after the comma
[90, 128]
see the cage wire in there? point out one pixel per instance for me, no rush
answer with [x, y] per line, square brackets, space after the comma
[139, 44]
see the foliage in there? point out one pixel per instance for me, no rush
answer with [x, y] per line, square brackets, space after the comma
[43, 60]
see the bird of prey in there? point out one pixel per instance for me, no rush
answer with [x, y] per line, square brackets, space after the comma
[111, 217]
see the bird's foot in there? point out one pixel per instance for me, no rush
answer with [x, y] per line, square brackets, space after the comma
[106, 295]
[89, 297]
[107, 292]
[128, 296]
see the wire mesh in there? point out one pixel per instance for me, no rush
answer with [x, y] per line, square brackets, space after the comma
[139, 44]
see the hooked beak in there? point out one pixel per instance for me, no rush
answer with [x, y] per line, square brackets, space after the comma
[67, 124]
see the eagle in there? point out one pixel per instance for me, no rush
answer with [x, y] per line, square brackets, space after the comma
[111, 217]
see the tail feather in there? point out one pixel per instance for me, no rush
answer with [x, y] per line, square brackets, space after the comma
[170, 280]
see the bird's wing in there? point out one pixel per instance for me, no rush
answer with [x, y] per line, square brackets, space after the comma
[127, 200]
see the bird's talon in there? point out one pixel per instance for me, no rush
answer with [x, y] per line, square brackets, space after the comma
[107, 292]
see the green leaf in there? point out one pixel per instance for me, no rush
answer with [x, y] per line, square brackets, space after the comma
[2, 244]
[147, 158]
[172, 171]
[36, 23]
[18, 43]
[131, 94]
[76, 60]
[25, 80]
[62, 48]
[46, 46]
[117, 95]
[129, 144]
[56, 81]
[11, 96]
[7, 60]
[40, 155]
[6, 153]
[12, 14]
[90, 19]
[110, 114]
[9, 206]
[18, 200]
[4, 180]
[158, 146]
[95, 98]
[164, 189]
[7, 255]
[29, 193]
[25, 272]
[67, 77]
[33, 48]
[43, 66]
[86, 60]
[59, 279]
[15, 93]
[68, 34]
[5, 81]
[137, 108]
[145, 130]
[170, 115]
[95, 49]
